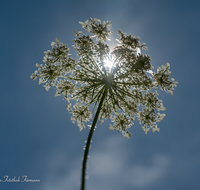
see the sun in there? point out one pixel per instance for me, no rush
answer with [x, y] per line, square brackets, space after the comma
[109, 63]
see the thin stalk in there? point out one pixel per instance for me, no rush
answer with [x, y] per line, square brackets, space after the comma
[89, 139]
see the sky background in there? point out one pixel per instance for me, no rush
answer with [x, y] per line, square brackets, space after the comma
[37, 137]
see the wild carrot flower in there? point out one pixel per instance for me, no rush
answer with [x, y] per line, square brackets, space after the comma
[120, 82]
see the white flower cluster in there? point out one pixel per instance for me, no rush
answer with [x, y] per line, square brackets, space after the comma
[123, 91]
[162, 78]
[121, 123]
[80, 114]
[100, 30]
[130, 41]
[57, 63]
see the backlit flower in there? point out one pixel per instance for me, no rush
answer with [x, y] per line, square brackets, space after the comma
[121, 81]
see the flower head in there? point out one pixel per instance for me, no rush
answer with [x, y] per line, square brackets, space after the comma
[121, 77]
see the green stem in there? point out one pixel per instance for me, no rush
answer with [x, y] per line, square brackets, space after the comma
[89, 139]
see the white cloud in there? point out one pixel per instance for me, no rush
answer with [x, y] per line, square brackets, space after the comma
[60, 173]
[108, 169]
[70, 181]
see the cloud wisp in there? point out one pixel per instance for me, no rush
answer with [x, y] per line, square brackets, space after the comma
[108, 167]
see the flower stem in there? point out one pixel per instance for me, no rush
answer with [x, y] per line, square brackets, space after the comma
[89, 139]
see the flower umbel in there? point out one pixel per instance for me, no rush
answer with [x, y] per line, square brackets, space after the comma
[120, 84]
[129, 88]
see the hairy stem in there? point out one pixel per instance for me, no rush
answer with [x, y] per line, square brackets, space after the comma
[89, 139]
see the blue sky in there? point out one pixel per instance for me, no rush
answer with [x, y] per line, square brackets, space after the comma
[37, 137]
